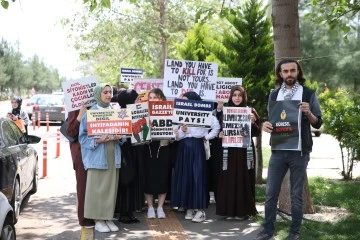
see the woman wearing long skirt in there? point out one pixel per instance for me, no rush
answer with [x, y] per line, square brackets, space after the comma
[101, 158]
[157, 165]
[189, 186]
[236, 186]
[131, 193]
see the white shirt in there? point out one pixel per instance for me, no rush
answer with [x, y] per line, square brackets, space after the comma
[200, 132]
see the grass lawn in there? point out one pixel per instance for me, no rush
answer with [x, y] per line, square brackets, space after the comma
[326, 192]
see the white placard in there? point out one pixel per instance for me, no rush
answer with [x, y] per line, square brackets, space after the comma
[79, 91]
[181, 76]
[223, 88]
[142, 84]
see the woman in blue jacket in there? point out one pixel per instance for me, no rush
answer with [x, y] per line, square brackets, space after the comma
[101, 158]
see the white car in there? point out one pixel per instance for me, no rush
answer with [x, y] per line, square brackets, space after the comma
[7, 228]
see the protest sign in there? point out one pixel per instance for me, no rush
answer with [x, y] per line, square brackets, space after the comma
[109, 121]
[285, 117]
[192, 113]
[140, 123]
[78, 92]
[223, 88]
[141, 84]
[128, 75]
[161, 120]
[144, 95]
[181, 76]
[236, 127]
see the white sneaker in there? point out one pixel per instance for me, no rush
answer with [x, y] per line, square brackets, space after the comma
[151, 213]
[199, 216]
[160, 212]
[112, 226]
[101, 226]
[189, 214]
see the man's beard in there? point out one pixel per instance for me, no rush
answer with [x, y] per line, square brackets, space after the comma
[292, 83]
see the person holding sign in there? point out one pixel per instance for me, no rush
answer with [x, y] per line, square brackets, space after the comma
[156, 167]
[189, 186]
[236, 186]
[72, 130]
[290, 76]
[130, 196]
[101, 158]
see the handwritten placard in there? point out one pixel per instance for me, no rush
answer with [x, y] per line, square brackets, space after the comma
[223, 88]
[181, 76]
[141, 84]
[78, 92]
[236, 127]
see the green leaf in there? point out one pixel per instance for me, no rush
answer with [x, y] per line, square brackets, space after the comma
[93, 5]
[106, 3]
[5, 4]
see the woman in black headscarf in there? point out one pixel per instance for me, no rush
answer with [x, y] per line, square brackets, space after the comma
[17, 114]
[236, 185]
[131, 194]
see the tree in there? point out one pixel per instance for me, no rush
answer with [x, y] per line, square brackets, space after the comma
[147, 31]
[335, 13]
[285, 19]
[341, 114]
[247, 51]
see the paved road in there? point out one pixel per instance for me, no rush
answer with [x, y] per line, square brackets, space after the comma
[51, 213]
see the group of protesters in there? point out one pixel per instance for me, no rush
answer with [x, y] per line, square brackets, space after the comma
[116, 178]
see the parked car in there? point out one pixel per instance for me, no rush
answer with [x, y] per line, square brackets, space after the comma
[53, 104]
[7, 228]
[18, 164]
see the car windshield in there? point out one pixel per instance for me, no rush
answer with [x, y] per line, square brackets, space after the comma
[50, 101]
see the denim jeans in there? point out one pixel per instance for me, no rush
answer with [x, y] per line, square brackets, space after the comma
[280, 162]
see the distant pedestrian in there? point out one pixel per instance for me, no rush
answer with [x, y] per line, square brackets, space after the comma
[20, 117]
[290, 75]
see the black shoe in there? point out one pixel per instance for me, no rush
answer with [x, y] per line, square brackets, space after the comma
[125, 219]
[293, 236]
[263, 236]
[133, 218]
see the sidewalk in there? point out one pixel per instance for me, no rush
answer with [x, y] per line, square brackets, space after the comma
[51, 212]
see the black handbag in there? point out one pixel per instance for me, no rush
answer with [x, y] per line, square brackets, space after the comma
[127, 170]
[63, 132]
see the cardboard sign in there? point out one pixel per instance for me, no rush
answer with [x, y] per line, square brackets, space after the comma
[109, 121]
[181, 76]
[192, 113]
[285, 116]
[223, 87]
[128, 75]
[78, 92]
[161, 113]
[141, 84]
[140, 123]
[236, 127]
[144, 95]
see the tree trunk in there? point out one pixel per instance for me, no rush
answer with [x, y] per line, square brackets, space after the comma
[163, 37]
[285, 19]
[259, 158]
